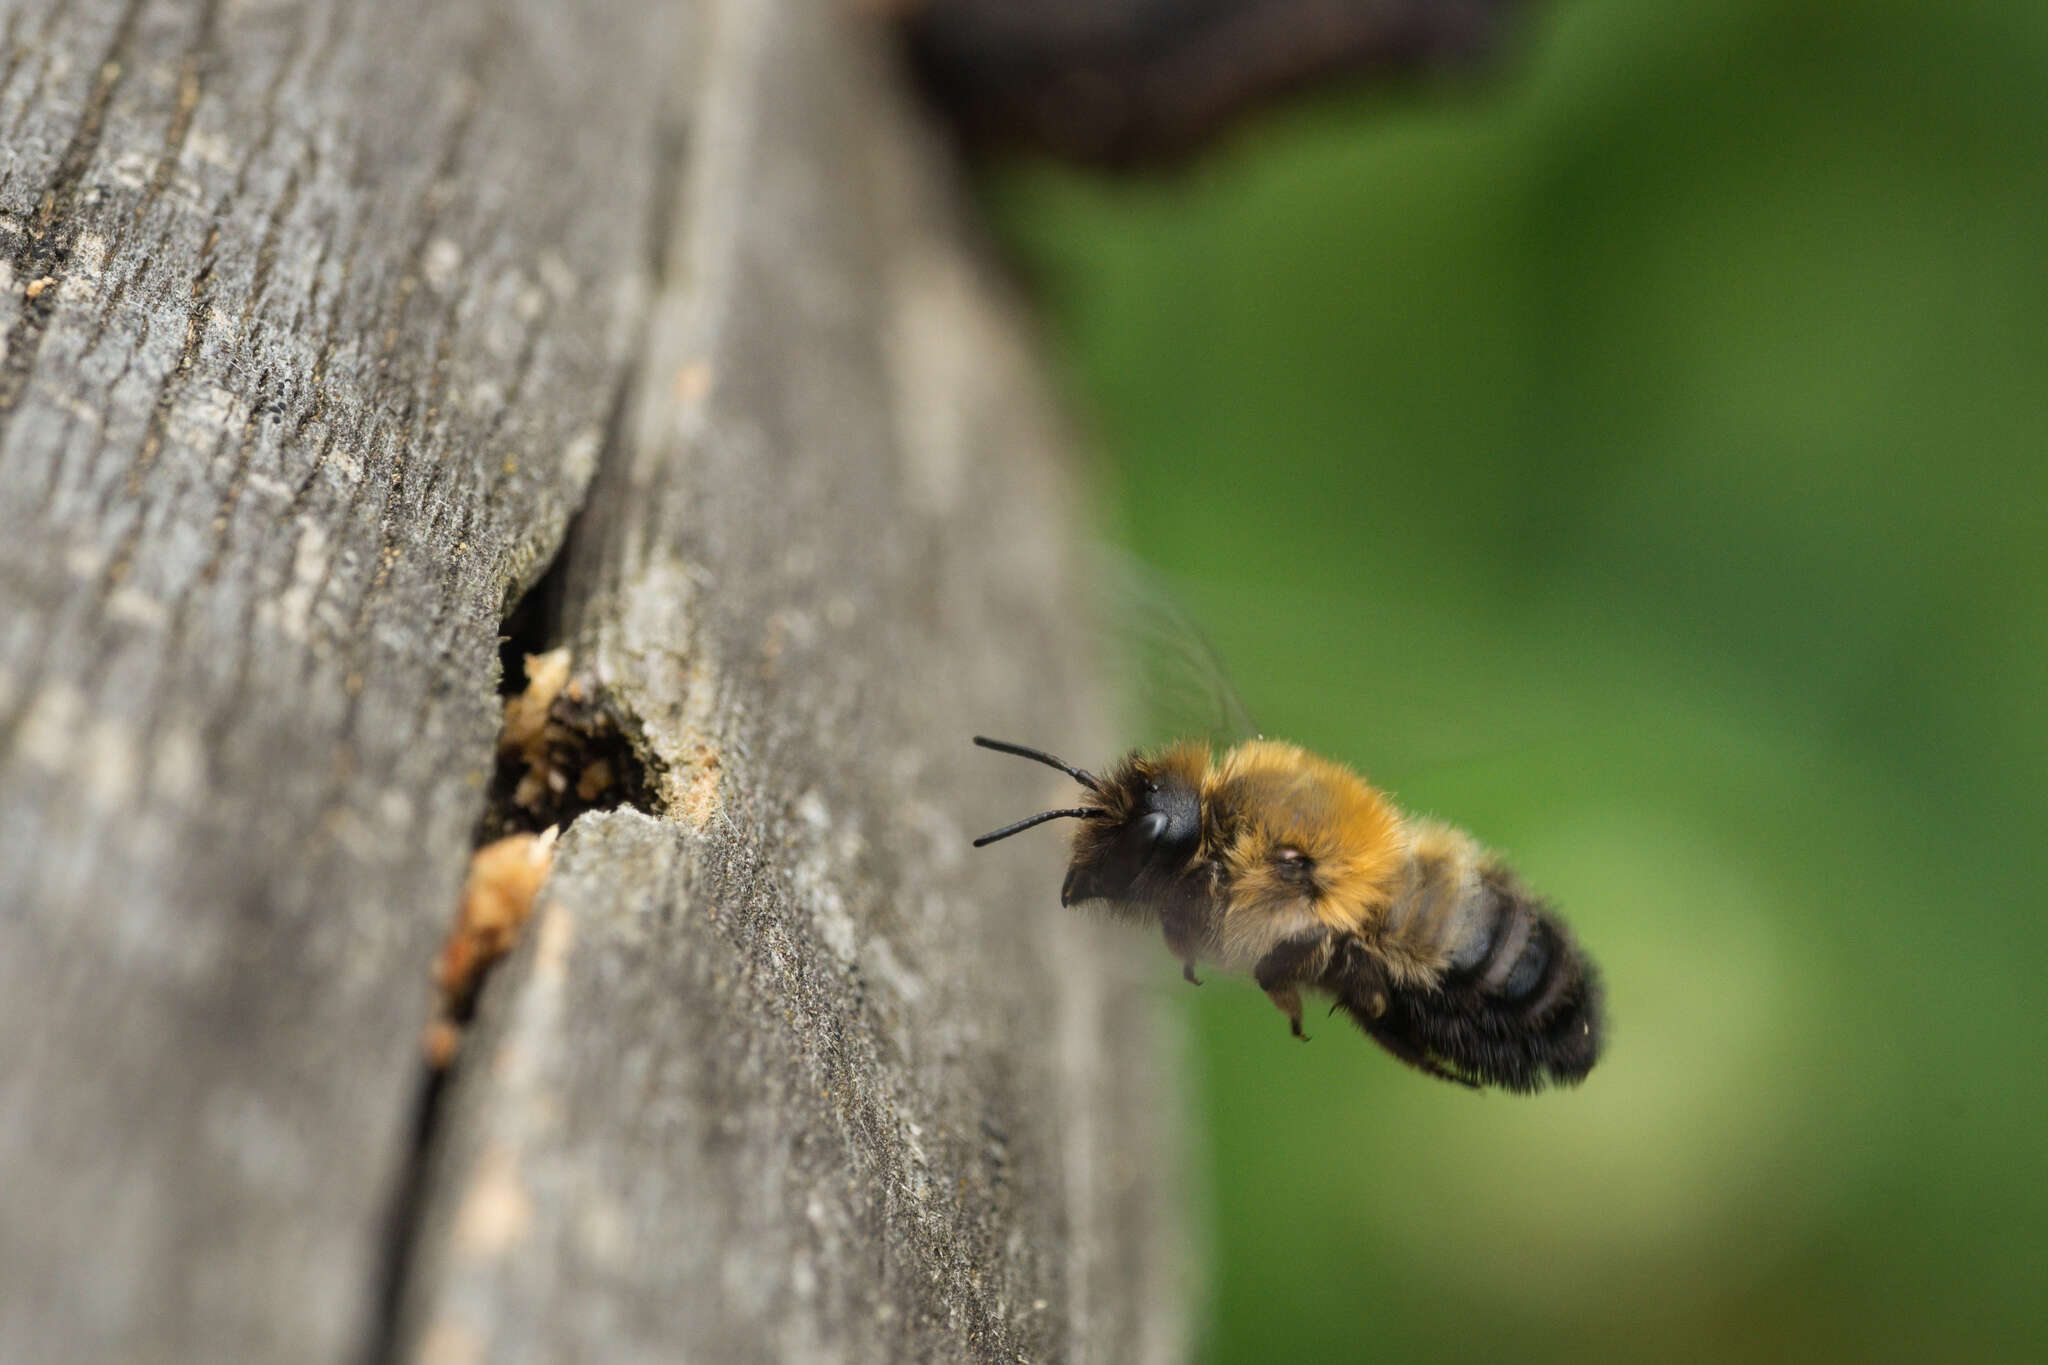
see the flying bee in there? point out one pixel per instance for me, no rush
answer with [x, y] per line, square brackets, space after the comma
[1279, 863]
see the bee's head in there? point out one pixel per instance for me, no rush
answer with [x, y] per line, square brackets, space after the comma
[1140, 828]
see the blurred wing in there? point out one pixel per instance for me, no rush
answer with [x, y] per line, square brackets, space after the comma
[1173, 683]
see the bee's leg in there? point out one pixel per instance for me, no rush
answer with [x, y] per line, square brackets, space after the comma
[1359, 981]
[1186, 930]
[1286, 967]
[1185, 946]
[1289, 1001]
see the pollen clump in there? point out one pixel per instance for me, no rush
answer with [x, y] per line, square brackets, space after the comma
[526, 727]
[563, 751]
[497, 898]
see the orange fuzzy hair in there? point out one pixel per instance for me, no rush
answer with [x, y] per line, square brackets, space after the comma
[1290, 798]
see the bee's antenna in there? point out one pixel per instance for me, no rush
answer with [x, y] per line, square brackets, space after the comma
[1081, 775]
[1079, 813]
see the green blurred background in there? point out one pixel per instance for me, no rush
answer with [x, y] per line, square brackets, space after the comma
[1640, 462]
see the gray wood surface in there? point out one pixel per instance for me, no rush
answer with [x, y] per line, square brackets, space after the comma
[320, 321]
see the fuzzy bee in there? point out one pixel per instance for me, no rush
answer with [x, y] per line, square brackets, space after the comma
[1279, 863]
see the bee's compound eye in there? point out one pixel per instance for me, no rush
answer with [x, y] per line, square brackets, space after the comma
[1152, 828]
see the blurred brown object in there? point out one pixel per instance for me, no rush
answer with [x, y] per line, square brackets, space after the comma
[1132, 82]
[497, 896]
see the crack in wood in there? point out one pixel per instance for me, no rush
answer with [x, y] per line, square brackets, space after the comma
[582, 731]
[258, 758]
[585, 732]
[382, 1342]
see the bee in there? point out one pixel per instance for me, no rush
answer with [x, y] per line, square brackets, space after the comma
[1274, 861]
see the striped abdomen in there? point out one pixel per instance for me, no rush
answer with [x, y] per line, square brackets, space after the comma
[1504, 997]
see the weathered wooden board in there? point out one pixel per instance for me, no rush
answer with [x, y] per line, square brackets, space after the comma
[318, 321]
[313, 317]
[794, 1074]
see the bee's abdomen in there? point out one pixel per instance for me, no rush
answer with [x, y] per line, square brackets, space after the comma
[1518, 1004]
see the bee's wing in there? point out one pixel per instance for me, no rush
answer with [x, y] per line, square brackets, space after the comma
[1174, 683]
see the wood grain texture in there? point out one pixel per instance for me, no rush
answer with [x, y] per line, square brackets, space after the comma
[793, 1073]
[313, 319]
[320, 322]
